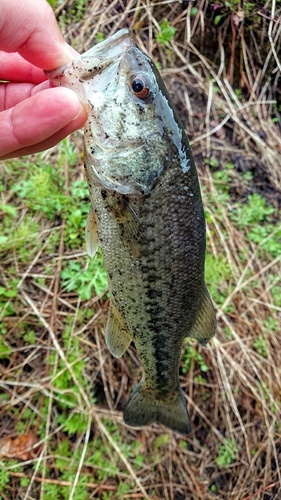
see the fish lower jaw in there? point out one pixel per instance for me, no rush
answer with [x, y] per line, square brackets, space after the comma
[111, 147]
[123, 187]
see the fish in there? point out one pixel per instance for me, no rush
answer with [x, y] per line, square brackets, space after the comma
[147, 216]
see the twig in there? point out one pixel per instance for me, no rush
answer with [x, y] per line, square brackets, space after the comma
[63, 483]
[261, 490]
[122, 456]
[81, 461]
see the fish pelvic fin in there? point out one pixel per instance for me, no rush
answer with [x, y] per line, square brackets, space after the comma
[145, 407]
[92, 237]
[205, 325]
[117, 336]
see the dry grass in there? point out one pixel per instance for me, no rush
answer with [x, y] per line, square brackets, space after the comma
[238, 399]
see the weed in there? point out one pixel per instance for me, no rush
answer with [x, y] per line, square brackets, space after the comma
[270, 324]
[122, 489]
[193, 11]
[9, 210]
[4, 480]
[62, 452]
[267, 237]
[217, 276]
[166, 34]
[201, 380]
[27, 419]
[52, 492]
[107, 495]
[227, 453]
[213, 162]
[42, 190]
[99, 37]
[9, 291]
[254, 212]
[74, 423]
[24, 482]
[5, 350]
[29, 337]
[224, 176]
[85, 281]
[190, 355]
[160, 441]
[276, 295]
[260, 346]
[74, 14]
[24, 239]
[99, 458]
[81, 492]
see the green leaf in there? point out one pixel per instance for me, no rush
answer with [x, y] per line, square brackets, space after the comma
[5, 351]
[217, 20]
[193, 11]
[9, 210]
[166, 34]
[3, 239]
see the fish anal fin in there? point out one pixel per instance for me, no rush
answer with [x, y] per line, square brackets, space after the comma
[92, 236]
[145, 407]
[118, 338]
[205, 325]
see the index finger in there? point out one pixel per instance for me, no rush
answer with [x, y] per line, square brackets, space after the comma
[30, 28]
[14, 68]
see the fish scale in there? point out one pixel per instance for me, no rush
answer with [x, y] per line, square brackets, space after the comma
[147, 216]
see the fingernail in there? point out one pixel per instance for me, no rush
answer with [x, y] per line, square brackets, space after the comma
[82, 111]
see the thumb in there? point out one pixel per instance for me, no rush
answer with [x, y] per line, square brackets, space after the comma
[39, 122]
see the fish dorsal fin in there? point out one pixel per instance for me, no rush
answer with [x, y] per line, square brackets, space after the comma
[92, 237]
[205, 325]
[118, 338]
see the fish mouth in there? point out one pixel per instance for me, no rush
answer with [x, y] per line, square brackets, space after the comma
[102, 55]
[113, 46]
[96, 59]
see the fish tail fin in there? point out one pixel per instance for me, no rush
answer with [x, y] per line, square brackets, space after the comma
[145, 407]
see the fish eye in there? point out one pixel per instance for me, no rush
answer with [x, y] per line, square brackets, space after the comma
[139, 86]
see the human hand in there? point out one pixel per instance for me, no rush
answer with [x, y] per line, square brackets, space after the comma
[33, 115]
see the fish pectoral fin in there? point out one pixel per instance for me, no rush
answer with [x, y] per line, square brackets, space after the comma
[92, 236]
[118, 338]
[205, 325]
[131, 231]
[145, 407]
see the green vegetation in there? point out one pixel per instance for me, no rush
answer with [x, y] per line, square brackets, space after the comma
[190, 355]
[260, 346]
[4, 481]
[227, 453]
[166, 34]
[85, 281]
[218, 276]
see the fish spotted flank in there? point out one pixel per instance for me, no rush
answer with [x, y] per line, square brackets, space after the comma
[148, 218]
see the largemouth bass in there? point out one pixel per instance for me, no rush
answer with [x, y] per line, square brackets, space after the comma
[148, 218]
